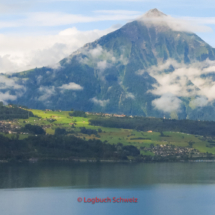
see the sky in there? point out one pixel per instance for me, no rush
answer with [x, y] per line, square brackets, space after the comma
[38, 33]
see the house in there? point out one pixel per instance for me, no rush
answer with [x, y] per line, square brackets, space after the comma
[116, 115]
[149, 131]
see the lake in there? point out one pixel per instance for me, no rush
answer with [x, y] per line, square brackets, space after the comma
[158, 188]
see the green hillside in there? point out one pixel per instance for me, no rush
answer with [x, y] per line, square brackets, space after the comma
[160, 144]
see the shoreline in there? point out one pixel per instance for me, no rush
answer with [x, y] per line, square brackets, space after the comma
[37, 160]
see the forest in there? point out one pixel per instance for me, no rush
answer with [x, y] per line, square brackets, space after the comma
[204, 128]
[62, 147]
[13, 112]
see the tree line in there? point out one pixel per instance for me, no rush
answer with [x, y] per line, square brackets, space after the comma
[61, 146]
[206, 128]
[13, 112]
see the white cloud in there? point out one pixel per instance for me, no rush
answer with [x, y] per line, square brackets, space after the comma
[130, 95]
[102, 65]
[185, 80]
[200, 20]
[9, 83]
[122, 12]
[99, 58]
[22, 53]
[167, 103]
[102, 103]
[96, 52]
[199, 102]
[46, 92]
[4, 97]
[176, 24]
[60, 18]
[6, 64]
[71, 86]
[194, 80]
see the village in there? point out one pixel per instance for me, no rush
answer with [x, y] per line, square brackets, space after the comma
[168, 150]
[8, 127]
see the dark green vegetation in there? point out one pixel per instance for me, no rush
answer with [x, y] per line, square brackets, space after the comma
[203, 128]
[60, 131]
[78, 113]
[34, 129]
[13, 112]
[88, 131]
[61, 147]
[106, 74]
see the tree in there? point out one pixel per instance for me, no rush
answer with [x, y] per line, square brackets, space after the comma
[60, 131]
[161, 134]
[151, 145]
[191, 144]
[35, 129]
[78, 113]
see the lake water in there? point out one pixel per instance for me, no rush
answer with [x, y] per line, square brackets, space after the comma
[160, 188]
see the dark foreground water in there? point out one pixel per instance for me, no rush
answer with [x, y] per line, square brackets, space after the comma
[160, 188]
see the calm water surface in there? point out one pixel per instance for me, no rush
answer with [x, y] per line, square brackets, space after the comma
[161, 188]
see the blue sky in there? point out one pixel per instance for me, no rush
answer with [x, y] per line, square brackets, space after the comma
[35, 32]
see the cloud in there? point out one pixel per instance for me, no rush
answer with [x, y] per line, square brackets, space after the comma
[99, 58]
[122, 12]
[186, 80]
[199, 102]
[19, 53]
[176, 24]
[102, 103]
[46, 92]
[99, 54]
[102, 65]
[6, 64]
[196, 80]
[9, 83]
[71, 86]
[130, 95]
[200, 20]
[4, 97]
[59, 18]
[167, 103]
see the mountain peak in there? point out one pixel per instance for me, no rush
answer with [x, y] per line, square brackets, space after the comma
[154, 13]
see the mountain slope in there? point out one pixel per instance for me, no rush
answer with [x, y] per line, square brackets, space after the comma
[119, 73]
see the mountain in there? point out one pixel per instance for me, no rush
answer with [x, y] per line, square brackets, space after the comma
[151, 66]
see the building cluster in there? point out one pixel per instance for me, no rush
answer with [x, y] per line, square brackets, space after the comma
[8, 127]
[107, 114]
[171, 150]
[5, 127]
